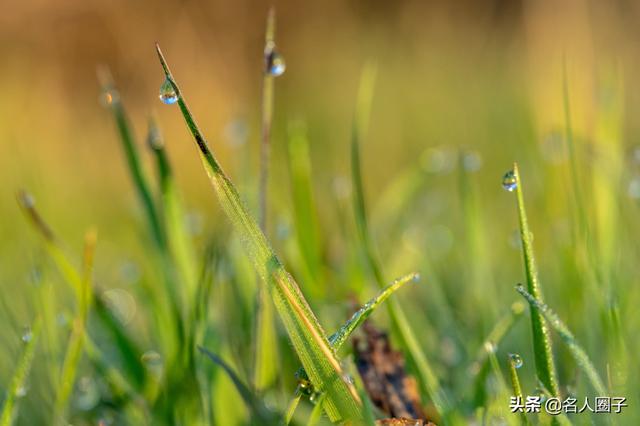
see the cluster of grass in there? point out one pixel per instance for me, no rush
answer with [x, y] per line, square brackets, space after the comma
[212, 335]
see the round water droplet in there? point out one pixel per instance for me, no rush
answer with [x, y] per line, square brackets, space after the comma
[121, 303]
[153, 362]
[108, 97]
[27, 335]
[167, 94]
[516, 360]
[87, 394]
[634, 188]
[21, 392]
[490, 347]
[274, 62]
[509, 181]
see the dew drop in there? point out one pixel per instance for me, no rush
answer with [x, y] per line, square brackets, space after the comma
[153, 362]
[27, 335]
[516, 360]
[167, 94]
[509, 181]
[21, 391]
[87, 394]
[490, 347]
[634, 188]
[274, 61]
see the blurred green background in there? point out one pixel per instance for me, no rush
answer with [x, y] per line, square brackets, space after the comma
[463, 89]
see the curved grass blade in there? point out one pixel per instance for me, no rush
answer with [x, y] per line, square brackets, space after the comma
[565, 334]
[426, 374]
[337, 339]
[305, 332]
[545, 367]
[131, 154]
[18, 382]
[259, 412]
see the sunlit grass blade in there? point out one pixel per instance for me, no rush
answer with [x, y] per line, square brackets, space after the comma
[113, 101]
[515, 384]
[337, 339]
[426, 374]
[545, 366]
[18, 385]
[306, 334]
[76, 340]
[580, 356]
[259, 412]
[266, 345]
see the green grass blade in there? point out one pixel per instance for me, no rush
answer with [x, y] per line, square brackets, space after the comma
[18, 382]
[426, 374]
[305, 216]
[567, 337]
[545, 367]
[131, 155]
[178, 242]
[76, 341]
[259, 411]
[266, 344]
[515, 384]
[306, 334]
[338, 338]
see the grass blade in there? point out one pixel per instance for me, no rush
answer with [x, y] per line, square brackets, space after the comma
[515, 384]
[259, 411]
[306, 334]
[76, 341]
[131, 154]
[567, 337]
[266, 345]
[18, 382]
[545, 367]
[401, 324]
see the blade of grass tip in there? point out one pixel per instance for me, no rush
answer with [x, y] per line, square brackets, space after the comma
[337, 339]
[512, 363]
[76, 340]
[53, 246]
[567, 337]
[17, 388]
[427, 376]
[545, 367]
[259, 411]
[305, 332]
[266, 343]
[113, 101]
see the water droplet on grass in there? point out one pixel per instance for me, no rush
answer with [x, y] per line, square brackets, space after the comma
[167, 93]
[509, 181]
[634, 188]
[27, 335]
[516, 360]
[87, 394]
[21, 392]
[274, 61]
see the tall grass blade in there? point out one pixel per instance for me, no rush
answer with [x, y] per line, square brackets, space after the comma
[567, 337]
[545, 367]
[131, 155]
[76, 341]
[266, 344]
[427, 376]
[305, 332]
[18, 382]
[259, 412]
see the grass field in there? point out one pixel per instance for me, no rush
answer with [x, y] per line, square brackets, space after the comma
[469, 180]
